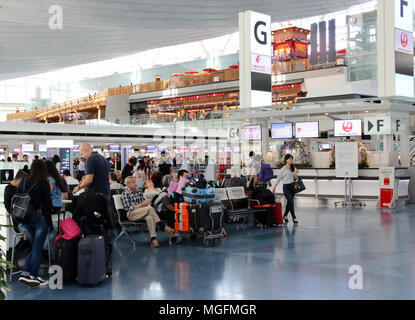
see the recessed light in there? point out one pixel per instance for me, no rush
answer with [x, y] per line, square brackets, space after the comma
[366, 111]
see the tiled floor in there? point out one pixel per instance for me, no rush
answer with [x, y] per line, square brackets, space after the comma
[310, 261]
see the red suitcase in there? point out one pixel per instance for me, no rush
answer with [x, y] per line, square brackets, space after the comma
[272, 217]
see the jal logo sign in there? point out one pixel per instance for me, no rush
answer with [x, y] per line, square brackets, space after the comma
[347, 126]
[404, 41]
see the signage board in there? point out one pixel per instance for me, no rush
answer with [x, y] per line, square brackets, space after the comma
[28, 147]
[114, 148]
[281, 130]
[386, 187]
[307, 130]
[151, 148]
[347, 128]
[347, 159]
[252, 132]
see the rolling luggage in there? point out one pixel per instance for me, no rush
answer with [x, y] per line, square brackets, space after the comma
[91, 260]
[209, 217]
[66, 256]
[272, 217]
[197, 195]
[182, 216]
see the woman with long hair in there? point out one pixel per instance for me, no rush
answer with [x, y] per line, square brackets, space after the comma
[37, 186]
[287, 175]
[57, 186]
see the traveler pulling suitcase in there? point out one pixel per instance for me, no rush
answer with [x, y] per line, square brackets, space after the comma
[91, 260]
[272, 217]
[66, 256]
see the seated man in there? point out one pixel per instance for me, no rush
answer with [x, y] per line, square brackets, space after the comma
[139, 209]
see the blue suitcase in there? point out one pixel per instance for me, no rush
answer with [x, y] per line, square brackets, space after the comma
[198, 195]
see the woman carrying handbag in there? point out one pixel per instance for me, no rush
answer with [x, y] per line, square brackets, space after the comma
[287, 175]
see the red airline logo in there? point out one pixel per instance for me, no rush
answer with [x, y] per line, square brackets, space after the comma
[347, 126]
[404, 39]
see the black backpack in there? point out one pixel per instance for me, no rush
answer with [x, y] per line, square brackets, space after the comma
[22, 207]
[93, 209]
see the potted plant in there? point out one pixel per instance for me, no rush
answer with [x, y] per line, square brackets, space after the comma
[3, 268]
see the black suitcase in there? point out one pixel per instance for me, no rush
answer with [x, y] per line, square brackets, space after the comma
[66, 256]
[209, 217]
[91, 260]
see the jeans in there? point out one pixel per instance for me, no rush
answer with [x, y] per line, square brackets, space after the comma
[37, 233]
[289, 194]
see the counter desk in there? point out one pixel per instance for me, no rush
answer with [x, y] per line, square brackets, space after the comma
[323, 183]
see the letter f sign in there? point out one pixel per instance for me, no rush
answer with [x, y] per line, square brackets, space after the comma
[403, 4]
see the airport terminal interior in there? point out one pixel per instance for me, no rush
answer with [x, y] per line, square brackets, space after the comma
[183, 136]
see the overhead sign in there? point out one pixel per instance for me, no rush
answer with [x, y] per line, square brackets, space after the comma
[347, 128]
[28, 147]
[382, 125]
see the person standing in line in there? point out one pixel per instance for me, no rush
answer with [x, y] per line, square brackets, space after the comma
[57, 162]
[56, 185]
[287, 175]
[96, 171]
[37, 185]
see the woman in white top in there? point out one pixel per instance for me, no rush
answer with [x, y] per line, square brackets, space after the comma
[287, 175]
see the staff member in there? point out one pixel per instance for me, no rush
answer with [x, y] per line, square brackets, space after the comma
[287, 175]
[96, 171]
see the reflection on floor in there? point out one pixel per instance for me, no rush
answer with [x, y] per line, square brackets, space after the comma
[310, 261]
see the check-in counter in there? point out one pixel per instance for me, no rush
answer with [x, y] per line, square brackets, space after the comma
[323, 183]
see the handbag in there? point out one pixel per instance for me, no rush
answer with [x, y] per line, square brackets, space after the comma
[70, 230]
[298, 185]
[22, 207]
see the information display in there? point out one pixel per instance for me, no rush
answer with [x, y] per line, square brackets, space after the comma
[213, 149]
[227, 149]
[162, 148]
[252, 132]
[307, 130]
[6, 176]
[27, 147]
[183, 149]
[75, 148]
[282, 130]
[194, 149]
[236, 149]
[347, 128]
[114, 148]
[151, 148]
[65, 156]
[42, 148]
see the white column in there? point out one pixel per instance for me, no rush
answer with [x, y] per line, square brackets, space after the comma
[385, 38]
[404, 143]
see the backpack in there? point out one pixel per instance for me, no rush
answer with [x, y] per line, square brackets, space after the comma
[94, 208]
[266, 173]
[201, 183]
[158, 204]
[22, 207]
[70, 230]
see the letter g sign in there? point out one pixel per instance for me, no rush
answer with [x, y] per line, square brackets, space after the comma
[263, 33]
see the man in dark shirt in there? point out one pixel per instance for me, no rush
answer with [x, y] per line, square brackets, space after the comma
[96, 170]
[10, 191]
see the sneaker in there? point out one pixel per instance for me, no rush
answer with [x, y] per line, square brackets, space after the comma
[42, 282]
[29, 281]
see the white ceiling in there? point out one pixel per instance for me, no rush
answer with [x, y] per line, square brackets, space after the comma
[95, 30]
